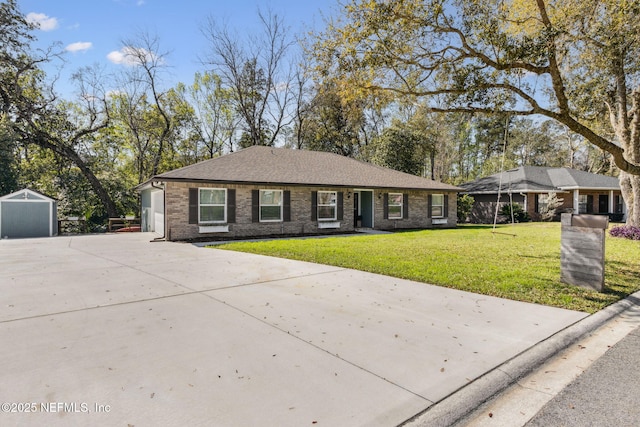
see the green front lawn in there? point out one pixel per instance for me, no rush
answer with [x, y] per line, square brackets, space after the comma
[471, 258]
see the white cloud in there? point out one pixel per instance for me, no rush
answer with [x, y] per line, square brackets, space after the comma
[130, 56]
[42, 21]
[117, 57]
[79, 47]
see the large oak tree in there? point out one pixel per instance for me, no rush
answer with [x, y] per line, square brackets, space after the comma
[29, 106]
[575, 61]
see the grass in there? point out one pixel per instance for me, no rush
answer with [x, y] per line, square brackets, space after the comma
[471, 258]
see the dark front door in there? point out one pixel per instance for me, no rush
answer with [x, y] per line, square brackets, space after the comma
[356, 209]
[366, 209]
[603, 203]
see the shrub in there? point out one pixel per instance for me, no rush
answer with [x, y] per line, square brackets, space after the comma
[630, 232]
[548, 213]
[465, 206]
[519, 214]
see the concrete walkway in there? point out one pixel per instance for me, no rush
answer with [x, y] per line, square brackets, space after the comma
[116, 330]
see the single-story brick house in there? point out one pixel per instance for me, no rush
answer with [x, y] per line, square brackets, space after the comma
[265, 191]
[529, 186]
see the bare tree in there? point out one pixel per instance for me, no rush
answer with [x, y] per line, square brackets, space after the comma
[214, 121]
[302, 92]
[142, 103]
[258, 73]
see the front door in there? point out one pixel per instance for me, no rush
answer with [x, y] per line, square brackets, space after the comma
[364, 205]
[603, 203]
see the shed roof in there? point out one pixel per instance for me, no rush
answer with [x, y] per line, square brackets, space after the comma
[268, 165]
[27, 194]
[535, 179]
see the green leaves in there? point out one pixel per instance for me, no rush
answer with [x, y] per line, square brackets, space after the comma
[399, 148]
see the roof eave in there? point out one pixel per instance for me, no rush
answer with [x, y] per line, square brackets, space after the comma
[289, 184]
[590, 188]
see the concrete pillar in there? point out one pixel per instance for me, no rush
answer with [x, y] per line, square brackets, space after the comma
[576, 201]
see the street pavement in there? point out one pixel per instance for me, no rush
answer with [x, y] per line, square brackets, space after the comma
[606, 394]
[593, 382]
[117, 330]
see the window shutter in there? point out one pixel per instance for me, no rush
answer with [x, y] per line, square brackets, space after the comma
[286, 205]
[193, 206]
[429, 205]
[385, 206]
[405, 206]
[536, 208]
[340, 206]
[231, 205]
[314, 206]
[255, 205]
[446, 206]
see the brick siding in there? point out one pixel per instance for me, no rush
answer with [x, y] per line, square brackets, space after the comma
[178, 227]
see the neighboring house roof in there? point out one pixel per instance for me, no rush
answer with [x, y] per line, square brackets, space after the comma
[282, 166]
[535, 179]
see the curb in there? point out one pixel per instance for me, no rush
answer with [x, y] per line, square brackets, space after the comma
[453, 408]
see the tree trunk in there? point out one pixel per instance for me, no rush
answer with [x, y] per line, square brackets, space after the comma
[101, 192]
[432, 157]
[71, 154]
[630, 186]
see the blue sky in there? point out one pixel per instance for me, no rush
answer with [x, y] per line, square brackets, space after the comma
[91, 31]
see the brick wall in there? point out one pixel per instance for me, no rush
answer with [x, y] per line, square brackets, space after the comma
[418, 215]
[567, 204]
[178, 227]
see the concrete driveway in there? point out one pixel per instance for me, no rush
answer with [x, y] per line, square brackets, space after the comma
[116, 330]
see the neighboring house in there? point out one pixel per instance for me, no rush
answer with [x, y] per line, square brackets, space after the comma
[27, 213]
[264, 191]
[582, 192]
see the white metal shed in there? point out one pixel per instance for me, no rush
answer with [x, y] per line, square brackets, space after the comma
[27, 213]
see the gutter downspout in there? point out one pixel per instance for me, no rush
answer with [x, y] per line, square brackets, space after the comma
[164, 208]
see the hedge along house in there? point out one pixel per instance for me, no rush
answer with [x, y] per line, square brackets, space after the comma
[27, 213]
[530, 186]
[264, 191]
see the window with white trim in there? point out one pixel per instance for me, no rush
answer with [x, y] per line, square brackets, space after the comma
[437, 206]
[395, 205]
[270, 205]
[327, 205]
[212, 205]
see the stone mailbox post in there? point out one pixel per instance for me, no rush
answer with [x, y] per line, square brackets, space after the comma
[582, 250]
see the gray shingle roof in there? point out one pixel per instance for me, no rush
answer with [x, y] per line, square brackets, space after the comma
[267, 165]
[540, 179]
